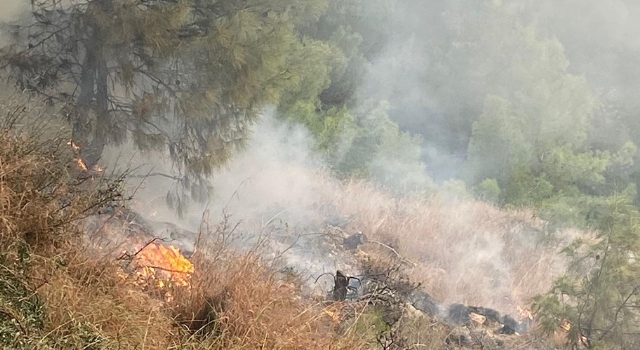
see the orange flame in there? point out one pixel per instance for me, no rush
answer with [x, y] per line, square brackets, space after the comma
[333, 314]
[81, 164]
[525, 313]
[166, 261]
[75, 147]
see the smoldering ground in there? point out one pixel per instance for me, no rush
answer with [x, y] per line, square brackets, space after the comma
[463, 250]
[466, 248]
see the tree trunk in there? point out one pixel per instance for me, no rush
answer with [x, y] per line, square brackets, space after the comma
[93, 100]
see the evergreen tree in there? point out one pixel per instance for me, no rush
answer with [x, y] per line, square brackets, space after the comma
[186, 76]
[600, 295]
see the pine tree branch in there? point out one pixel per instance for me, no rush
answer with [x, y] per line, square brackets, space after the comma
[615, 317]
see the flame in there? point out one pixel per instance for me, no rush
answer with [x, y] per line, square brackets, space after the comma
[73, 145]
[165, 262]
[335, 314]
[525, 313]
[562, 335]
[81, 164]
[76, 149]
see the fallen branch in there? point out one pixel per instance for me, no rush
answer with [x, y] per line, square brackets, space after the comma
[402, 258]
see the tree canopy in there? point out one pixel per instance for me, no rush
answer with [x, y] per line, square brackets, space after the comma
[187, 76]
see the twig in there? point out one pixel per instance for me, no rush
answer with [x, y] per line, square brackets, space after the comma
[326, 273]
[396, 253]
[203, 222]
[615, 318]
[127, 256]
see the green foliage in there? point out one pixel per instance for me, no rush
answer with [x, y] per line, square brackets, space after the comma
[365, 143]
[373, 146]
[569, 188]
[600, 294]
[488, 190]
[498, 145]
[21, 311]
[360, 30]
[369, 325]
[187, 77]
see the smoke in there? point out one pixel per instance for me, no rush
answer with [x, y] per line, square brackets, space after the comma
[442, 59]
[600, 39]
[280, 183]
[277, 169]
[467, 251]
[445, 57]
[12, 10]
[277, 187]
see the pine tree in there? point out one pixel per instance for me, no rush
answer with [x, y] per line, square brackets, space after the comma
[599, 296]
[187, 76]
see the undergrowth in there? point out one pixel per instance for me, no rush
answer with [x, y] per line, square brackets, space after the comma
[56, 292]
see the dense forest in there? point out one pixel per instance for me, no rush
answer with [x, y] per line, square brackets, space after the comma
[524, 104]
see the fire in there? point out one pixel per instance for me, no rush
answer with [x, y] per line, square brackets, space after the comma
[81, 164]
[160, 268]
[334, 314]
[75, 147]
[525, 313]
[561, 335]
[166, 262]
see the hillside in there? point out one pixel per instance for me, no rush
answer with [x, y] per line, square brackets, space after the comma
[319, 174]
[81, 271]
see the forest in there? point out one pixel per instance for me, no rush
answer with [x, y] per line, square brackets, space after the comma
[521, 104]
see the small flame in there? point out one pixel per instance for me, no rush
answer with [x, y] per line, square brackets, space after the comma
[525, 313]
[79, 161]
[335, 314]
[166, 261]
[81, 164]
[565, 327]
[97, 169]
[73, 145]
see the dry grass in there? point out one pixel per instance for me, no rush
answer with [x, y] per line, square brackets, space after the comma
[461, 250]
[83, 300]
[58, 293]
[238, 303]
